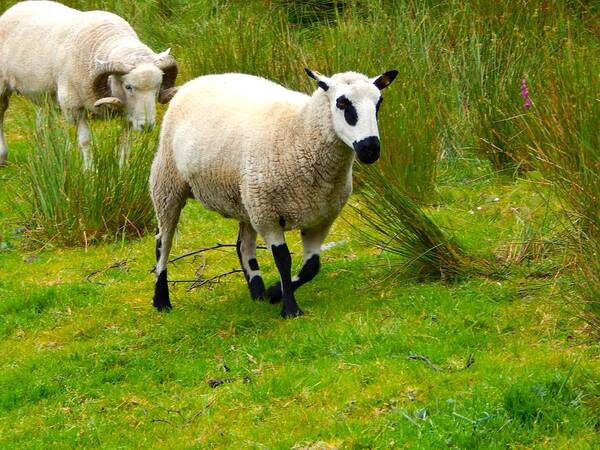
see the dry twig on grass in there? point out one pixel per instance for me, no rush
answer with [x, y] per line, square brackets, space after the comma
[116, 265]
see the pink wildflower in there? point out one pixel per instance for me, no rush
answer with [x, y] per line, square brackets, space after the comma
[525, 95]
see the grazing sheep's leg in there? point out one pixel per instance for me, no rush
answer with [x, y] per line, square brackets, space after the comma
[312, 240]
[39, 119]
[283, 260]
[168, 196]
[3, 107]
[246, 250]
[83, 137]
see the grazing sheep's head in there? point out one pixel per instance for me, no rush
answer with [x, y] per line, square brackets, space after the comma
[354, 102]
[136, 87]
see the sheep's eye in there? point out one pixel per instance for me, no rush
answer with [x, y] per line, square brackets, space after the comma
[342, 102]
[129, 87]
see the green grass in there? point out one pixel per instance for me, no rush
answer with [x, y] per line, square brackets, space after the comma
[85, 361]
[94, 365]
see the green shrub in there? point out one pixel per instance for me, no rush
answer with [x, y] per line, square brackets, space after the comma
[69, 206]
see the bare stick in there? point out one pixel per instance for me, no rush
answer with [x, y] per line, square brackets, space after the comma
[426, 360]
[195, 252]
[116, 265]
[206, 249]
[198, 283]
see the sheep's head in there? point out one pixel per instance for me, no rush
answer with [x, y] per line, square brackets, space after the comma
[135, 88]
[354, 101]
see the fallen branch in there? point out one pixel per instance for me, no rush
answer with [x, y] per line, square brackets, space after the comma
[206, 249]
[215, 382]
[426, 360]
[200, 282]
[116, 265]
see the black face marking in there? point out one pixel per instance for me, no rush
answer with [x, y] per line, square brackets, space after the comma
[350, 113]
[161, 293]
[253, 263]
[367, 149]
[281, 221]
[379, 102]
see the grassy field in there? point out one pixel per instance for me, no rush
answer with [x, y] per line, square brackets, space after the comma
[381, 359]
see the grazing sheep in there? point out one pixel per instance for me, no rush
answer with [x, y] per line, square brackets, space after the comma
[85, 60]
[272, 158]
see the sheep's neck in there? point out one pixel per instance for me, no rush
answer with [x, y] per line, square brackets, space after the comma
[319, 152]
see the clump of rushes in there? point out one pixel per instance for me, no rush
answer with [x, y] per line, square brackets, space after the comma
[394, 223]
[564, 138]
[69, 206]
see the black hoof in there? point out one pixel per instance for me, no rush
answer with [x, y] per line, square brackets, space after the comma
[163, 308]
[291, 313]
[257, 288]
[274, 293]
[162, 305]
[161, 299]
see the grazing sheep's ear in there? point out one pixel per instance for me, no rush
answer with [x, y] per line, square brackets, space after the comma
[165, 62]
[109, 102]
[322, 80]
[163, 54]
[384, 80]
[166, 95]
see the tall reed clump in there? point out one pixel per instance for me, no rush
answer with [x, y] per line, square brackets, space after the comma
[69, 206]
[563, 128]
[496, 45]
[397, 225]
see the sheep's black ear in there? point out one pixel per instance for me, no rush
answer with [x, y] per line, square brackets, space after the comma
[384, 80]
[318, 77]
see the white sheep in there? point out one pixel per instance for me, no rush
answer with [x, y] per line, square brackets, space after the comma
[272, 158]
[84, 60]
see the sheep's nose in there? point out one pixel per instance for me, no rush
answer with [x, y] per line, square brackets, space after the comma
[367, 149]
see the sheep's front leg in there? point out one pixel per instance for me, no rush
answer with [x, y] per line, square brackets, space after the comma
[312, 239]
[283, 260]
[246, 250]
[84, 137]
[3, 107]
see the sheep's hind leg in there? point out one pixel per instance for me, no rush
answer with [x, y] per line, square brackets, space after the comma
[168, 203]
[283, 260]
[246, 250]
[312, 240]
[4, 96]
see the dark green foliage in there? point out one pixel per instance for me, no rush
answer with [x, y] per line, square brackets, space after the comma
[541, 404]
